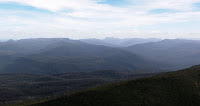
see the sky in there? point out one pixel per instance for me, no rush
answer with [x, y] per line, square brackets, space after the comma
[81, 19]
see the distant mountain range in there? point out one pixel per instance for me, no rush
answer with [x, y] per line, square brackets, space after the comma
[116, 42]
[178, 53]
[61, 55]
[50, 56]
[179, 88]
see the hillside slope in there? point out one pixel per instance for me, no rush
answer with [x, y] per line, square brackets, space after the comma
[179, 88]
[21, 87]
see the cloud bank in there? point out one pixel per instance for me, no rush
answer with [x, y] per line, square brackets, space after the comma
[99, 18]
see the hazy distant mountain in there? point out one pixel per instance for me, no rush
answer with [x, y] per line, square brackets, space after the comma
[98, 42]
[116, 42]
[134, 41]
[129, 41]
[64, 55]
[180, 53]
[12, 49]
[25, 46]
[71, 55]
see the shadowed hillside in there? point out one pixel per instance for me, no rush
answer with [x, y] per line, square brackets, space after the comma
[179, 88]
[22, 87]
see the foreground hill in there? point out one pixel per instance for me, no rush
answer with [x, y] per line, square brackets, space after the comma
[72, 55]
[179, 88]
[25, 87]
[178, 52]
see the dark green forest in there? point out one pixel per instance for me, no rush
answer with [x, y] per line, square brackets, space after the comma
[180, 88]
[20, 87]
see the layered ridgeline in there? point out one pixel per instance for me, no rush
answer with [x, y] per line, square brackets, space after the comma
[179, 88]
[58, 55]
[178, 53]
[50, 56]
[116, 42]
[12, 49]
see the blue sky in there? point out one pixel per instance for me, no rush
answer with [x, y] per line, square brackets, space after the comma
[99, 18]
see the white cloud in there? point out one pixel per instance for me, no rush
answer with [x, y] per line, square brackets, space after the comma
[87, 18]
